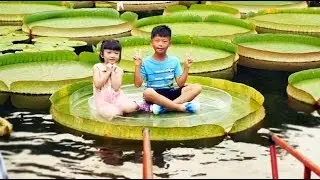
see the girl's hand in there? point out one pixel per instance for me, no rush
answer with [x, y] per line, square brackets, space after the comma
[188, 61]
[118, 70]
[108, 67]
[137, 58]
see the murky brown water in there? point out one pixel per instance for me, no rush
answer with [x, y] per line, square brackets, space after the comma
[39, 148]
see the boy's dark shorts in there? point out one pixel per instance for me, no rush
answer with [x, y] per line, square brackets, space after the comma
[171, 94]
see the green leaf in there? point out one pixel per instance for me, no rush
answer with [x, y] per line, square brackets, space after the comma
[70, 108]
[304, 86]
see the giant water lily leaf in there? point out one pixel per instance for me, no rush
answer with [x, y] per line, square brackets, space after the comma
[279, 51]
[8, 29]
[87, 24]
[136, 6]
[3, 92]
[254, 6]
[304, 86]
[13, 38]
[208, 55]
[30, 75]
[299, 21]
[213, 26]
[59, 41]
[202, 10]
[13, 12]
[78, 4]
[71, 107]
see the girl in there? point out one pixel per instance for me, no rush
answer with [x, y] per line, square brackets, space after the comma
[108, 97]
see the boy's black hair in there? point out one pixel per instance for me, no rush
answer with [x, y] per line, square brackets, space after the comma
[162, 31]
[112, 45]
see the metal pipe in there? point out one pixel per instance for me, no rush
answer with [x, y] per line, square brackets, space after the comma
[307, 173]
[147, 158]
[274, 165]
[307, 162]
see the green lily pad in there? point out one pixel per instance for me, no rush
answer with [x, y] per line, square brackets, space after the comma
[79, 4]
[70, 107]
[304, 86]
[208, 55]
[136, 6]
[13, 37]
[202, 10]
[284, 52]
[32, 76]
[59, 41]
[213, 26]
[246, 7]
[87, 24]
[8, 29]
[297, 21]
[13, 12]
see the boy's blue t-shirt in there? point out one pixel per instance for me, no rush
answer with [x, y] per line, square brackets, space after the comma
[160, 74]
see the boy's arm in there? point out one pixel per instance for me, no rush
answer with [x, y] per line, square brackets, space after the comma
[138, 80]
[116, 78]
[100, 76]
[181, 80]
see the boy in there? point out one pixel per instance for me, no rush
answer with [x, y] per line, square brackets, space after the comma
[159, 71]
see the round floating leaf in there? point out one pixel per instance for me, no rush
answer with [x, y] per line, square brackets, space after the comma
[5, 127]
[286, 52]
[13, 38]
[246, 7]
[304, 86]
[297, 21]
[213, 26]
[202, 10]
[13, 12]
[208, 55]
[58, 41]
[70, 108]
[4, 46]
[8, 29]
[32, 76]
[137, 5]
[3, 92]
[79, 4]
[87, 24]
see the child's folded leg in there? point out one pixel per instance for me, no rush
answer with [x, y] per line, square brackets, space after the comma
[126, 105]
[107, 110]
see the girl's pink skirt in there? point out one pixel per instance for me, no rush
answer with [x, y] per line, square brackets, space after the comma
[109, 102]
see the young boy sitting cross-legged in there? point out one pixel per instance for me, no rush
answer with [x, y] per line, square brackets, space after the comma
[159, 71]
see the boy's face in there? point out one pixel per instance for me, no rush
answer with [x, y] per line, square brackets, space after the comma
[160, 44]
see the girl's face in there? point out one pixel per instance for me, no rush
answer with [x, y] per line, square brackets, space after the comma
[110, 56]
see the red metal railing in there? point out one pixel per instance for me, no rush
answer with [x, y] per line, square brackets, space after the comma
[308, 164]
[147, 157]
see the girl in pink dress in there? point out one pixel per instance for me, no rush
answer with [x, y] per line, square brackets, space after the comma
[108, 97]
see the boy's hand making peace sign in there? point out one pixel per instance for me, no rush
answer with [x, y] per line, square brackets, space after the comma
[138, 58]
[188, 61]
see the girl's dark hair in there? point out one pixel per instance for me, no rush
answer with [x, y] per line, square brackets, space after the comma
[112, 45]
[162, 31]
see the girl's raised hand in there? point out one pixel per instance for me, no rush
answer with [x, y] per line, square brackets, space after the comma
[137, 57]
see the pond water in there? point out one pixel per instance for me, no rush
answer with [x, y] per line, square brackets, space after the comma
[40, 148]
